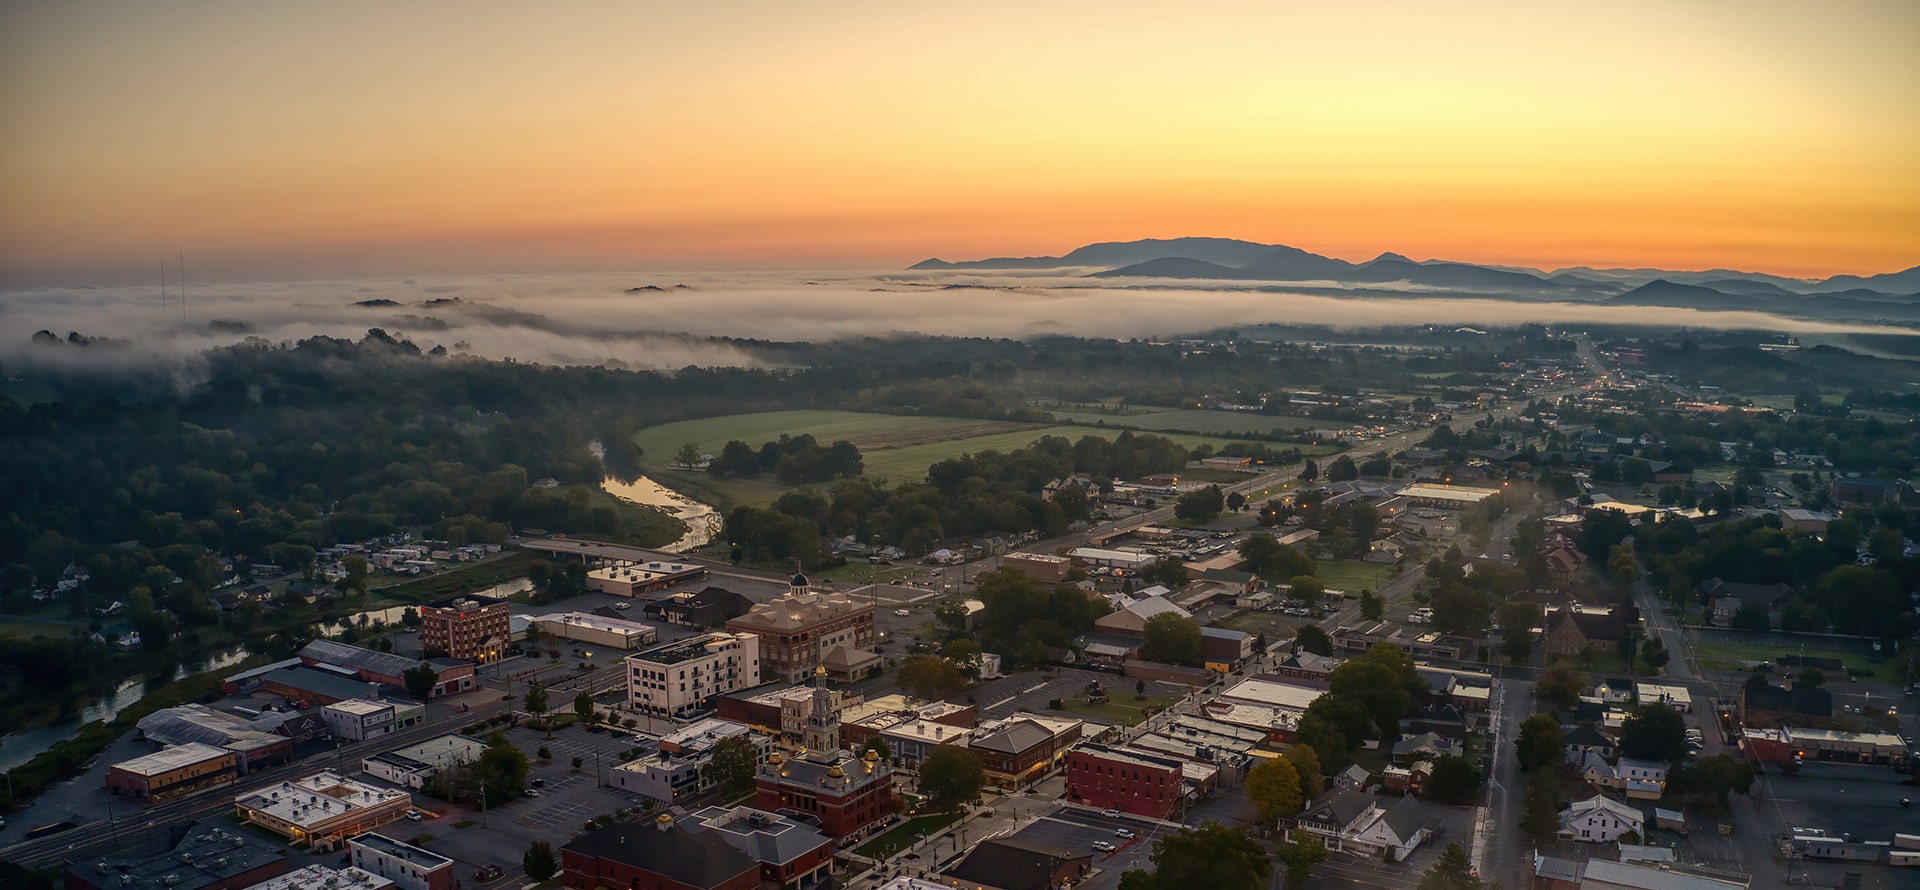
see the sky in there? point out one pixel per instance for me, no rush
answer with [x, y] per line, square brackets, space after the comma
[280, 141]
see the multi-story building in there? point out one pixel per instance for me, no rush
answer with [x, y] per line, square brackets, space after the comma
[708, 607]
[329, 668]
[356, 720]
[407, 866]
[849, 795]
[174, 772]
[803, 630]
[207, 857]
[661, 856]
[680, 679]
[469, 627]
[1131, 782]
[1024, 746]
[678, 771]
[779, 710]
[322, 810]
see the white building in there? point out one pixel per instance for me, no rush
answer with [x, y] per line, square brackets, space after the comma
[325, 876]
[323, 809]
[357, 720]
[596, 630]
[1600, 820]
[412, 766]
[1675, 697]
[678, 772]
[680, 679]
[407, 866]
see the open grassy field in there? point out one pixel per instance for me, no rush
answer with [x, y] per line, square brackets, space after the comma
[14, 627]
[1121, 708]
[1716, 655]
[1352, 575]
[907, 834]
[868, 431]
[896, 448]
[1215, 422]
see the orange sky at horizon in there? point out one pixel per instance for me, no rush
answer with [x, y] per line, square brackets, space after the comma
[275, 139]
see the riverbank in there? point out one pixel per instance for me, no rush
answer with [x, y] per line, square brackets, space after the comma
[702, 521]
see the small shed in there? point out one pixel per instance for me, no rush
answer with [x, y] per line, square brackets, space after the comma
[1671, 820]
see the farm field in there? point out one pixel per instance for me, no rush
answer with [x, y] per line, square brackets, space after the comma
[894, 447]
[867, 431]
[1212, 422]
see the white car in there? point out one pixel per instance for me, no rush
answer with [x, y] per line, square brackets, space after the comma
[1110, 813]
[414, 816]
[623, 606]
[902, 612]
[1103, 846]
[1126, 833]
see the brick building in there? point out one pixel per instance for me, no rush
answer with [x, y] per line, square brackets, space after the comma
[682, 678]
[407, 866]
[175, 772]
[207, 857]
[1130, 782]
[659, 856]
[848, 795]
[1023, 747]
[802, 630]
[470, 627]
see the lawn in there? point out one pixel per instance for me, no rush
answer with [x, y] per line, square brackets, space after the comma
[1738, 656]
[911, 462]
[907, 834]
[1121, 708]
[1214, 422]
[1276, 625]
[20, 628]
[868, 431]
[1352, 575]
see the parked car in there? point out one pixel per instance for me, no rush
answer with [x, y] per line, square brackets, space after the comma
[1125, 833]
[1110, 813]
[488, 873]
[414, 816]
[902, 612]
[623, 606]
[1103, 846]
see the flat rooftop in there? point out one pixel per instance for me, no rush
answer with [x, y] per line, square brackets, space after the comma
[425, 859]
[1455, 493]
[703, 734]
[1272, 694]
[595, 622]
[317, 798]
[682, 650]
[170, 759]
[314, 877]
[206, 855]
[359, 706]
[1124, 755]
[435, 753]
[643, 572]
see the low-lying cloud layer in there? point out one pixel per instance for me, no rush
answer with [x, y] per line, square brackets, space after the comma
[594, 319]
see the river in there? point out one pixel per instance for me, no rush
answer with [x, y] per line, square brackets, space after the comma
[20, 747]
[703, 521]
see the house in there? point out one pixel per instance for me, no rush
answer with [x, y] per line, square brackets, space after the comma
[1600, 820]
[1424, 746]
[1446, 721]
[1614, 690]
[1355, 776]
[1763, 705]
[1727, 598]
[1131, 619]
[1307, 666]
[1583, 740]
[1015, 863]
[1575, 630]
[1642, 779]
[1353, 821]
[1595, 770]
[1564, 563]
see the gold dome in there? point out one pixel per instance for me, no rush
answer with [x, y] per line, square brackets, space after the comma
[776, 759]
[820, 670]
[873, 756]
[836, 772]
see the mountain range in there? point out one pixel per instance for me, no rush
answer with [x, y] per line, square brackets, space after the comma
[1893, 297]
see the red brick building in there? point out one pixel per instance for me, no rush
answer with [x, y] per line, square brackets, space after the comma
[1141, 784]
[470, 627]
[847, 794]
[657, 856]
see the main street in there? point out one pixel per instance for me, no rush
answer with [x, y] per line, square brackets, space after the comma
[99, 836]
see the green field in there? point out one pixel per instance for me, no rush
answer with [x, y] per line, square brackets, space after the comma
[1211, 422]
[1352, 575]
[895, 448]
[15, 627]
[1120, 708]
[1714, 655]
[907, 834]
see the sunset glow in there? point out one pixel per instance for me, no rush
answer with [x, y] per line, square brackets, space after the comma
[291, 140]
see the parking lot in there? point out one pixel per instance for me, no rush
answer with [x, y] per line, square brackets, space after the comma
[1076, 829]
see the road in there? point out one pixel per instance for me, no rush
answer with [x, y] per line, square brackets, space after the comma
[93, 836]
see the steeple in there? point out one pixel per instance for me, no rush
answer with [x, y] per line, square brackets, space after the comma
[823, 721]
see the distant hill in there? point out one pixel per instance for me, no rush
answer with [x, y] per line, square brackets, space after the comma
[1446, 275]
[1637, 277]
[1224, 251]
[1283, 263]
[1178, 267]
[1903, 282]
[1661, 292]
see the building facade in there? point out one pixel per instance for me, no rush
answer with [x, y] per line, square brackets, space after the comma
[322, 810]
[658, 856]
[802, 630]
[681, 679]
[850, 796]
[1108, 778]
[173, 773]
[356, 720]
[470, 627]
[407, 866]
[678, 771]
